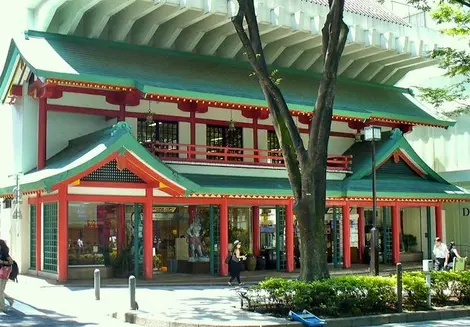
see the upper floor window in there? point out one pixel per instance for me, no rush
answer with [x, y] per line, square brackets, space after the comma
[221, 137]
[273, 144]
[162, 133]
[6, 203]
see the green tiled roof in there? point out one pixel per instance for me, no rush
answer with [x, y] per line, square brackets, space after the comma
[83, 153]
[221, 184]
[182, 74]
[395, 180]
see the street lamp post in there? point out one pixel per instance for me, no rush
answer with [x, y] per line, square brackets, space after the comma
[372, 134]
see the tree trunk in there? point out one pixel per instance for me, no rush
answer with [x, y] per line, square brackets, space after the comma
[306, 168]
[313, 254]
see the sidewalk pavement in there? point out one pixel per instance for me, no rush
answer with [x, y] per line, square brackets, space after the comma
[173, 279]
[174, 306]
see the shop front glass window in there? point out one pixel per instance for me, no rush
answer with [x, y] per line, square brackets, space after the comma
[92, 233]
[240, 227]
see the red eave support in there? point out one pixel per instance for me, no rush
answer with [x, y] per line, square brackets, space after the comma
[42, 133]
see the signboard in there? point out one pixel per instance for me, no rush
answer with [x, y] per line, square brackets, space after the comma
[164, 209]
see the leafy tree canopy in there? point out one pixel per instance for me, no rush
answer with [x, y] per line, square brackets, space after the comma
[455, 16]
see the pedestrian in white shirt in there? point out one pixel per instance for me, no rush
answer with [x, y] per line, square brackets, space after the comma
[440, 252]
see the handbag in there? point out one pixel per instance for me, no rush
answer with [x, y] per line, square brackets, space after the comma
[5, 272]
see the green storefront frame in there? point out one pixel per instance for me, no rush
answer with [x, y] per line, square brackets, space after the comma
[50, 237]
[33, 236]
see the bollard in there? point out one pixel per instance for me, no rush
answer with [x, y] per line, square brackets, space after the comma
[97, 283]
[399, 288]
[132, 284]
[428, 283]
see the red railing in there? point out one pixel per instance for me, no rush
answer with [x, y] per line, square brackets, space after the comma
[235, 156]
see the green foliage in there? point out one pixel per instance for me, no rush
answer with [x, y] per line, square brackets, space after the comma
[350, 295]
[359, 295]
[415, 291]
[456, 62]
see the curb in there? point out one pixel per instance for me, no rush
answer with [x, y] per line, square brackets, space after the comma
[145, 319]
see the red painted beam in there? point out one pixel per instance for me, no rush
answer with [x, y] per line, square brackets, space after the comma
[83, 110]
[106, 198]
[257, 202]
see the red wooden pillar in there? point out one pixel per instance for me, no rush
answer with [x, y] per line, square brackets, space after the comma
[361, 226]
[255, 138]
[256, 232]
[223, 229]
[148, 237]
[438, 215]
[396, 233]
[42, 133]
[62, 235]
[192, 129]
[38, 233]
[290, 236]
[122, 112]
[346, 237]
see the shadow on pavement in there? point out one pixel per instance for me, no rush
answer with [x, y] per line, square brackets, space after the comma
[24, 315]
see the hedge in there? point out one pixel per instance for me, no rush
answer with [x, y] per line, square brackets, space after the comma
[358, 295]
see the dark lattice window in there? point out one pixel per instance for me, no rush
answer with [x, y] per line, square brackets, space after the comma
[159, 137]
[6, 203]
[222, 136]
[273, 144]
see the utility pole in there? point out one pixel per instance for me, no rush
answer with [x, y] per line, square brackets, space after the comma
[17, 200]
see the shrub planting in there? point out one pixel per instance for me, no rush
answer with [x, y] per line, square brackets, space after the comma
[358, 295]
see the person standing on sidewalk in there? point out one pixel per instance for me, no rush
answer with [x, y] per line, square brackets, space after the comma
[441, 253]
[234, 266]
[5, 270]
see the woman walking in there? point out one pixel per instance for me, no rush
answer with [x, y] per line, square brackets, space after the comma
[5, 270]
[234, 266]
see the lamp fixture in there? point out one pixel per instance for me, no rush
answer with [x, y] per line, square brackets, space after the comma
[150, 121]
[357, 136]
[372, 133]
[231, 124]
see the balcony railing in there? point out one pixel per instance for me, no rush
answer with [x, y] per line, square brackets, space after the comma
[233, 156]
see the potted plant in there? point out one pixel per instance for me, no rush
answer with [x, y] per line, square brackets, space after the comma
[250, 263]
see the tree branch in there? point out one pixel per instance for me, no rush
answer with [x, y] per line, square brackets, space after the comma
[255, 55]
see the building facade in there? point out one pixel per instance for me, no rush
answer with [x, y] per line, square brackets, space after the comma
[155, 158]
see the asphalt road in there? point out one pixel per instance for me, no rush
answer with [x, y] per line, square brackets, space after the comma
[440, 323]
